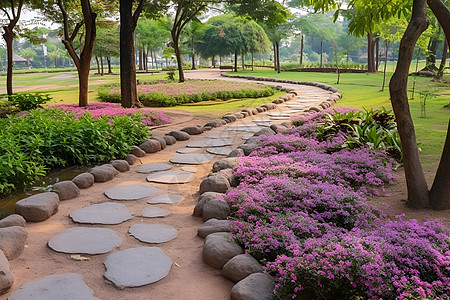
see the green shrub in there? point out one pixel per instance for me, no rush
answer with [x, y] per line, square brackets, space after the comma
[27, 101]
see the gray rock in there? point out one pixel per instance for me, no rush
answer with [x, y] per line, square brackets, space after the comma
[238, 116]
[214, 123]
[150, 146]
[13, 220]
[192, 130]
[6, 276]
[207, 128]
[269, 106]
[132, 192]
[240, 267]
[166, 199]
[103, 173]
[12, 241]
[248, 148]
[236, 153]
[215, 209]
[155, 212]
[153, 233]
[245, 114]
[155, 167]
[187, 150]
[226, 163]
[121, 165]
[38, 207]
[131, 159]
[256, 286]
[66, 190]
[172, 177]
[180, 135]
[265, 131]
[213, 226]
[210, 143]
[84, 180]
[137, 267]
[191, 159]
[218, 184]
[161, 140]
[136, 151]
[316, 109]
[107, 213]
[219, 249]
[204, 198]
[259, 109]
[247, 111]
[253, 140]
[225, 151]
[68, 286]
[170, 140]
[85, 240]
[231, 118]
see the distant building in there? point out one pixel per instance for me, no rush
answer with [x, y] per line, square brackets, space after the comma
[21, 62]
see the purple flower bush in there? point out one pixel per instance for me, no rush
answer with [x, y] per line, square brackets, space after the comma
[153, 117]
[301, 209]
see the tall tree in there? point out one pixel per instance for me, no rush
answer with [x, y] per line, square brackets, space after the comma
[12, 10]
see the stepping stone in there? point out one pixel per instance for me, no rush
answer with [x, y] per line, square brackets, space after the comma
[155, 212]
[166, 199]
[224, 135]
[220, 151]
[210, 143]
[84, 240]
[244, 128]
[281, 118]
[132, 192]
[67, 286]
[108, 213]
[189, 169]
[264, 124]
[154, 168]
[247, 136]
[172, 177]
[153, 233]
[137, 267]
[278, 114]
[191, 159]
[187, 150]
[262, 121]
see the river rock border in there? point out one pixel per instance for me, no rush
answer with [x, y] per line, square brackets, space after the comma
[236, 266]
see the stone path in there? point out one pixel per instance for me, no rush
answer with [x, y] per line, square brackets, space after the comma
[145, 211]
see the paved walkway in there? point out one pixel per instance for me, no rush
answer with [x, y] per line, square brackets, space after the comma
[148, 237]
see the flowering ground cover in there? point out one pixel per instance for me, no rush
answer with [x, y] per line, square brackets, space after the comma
[152, 117]
[301, 209]
[173, 93]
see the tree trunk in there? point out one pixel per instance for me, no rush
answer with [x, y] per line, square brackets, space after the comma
[440, 72]
[377, 50]
[54, 62]
[213, 61]
[430, 64]
[275, 56]
[140, 60]
[243, 62]
[9, 39]
[128, 84]
[193, 55]
[371, 67]
[418, 195]
[386, 45]
[252, 62]
[175, 39]
[108, 59]
[101, 63]
[98, 64]
[321, 54]
[301, 52]
[235, 60]
[278, 56]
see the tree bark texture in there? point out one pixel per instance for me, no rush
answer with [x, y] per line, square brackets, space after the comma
[301, 52]
[193, 54]
[418, 196]
[371, 66]
[440, 72]
[275, 56]
[377, 54]
[141, 58]
[235, 60]
[277, 43]
[98, 64]
[431, 57]
[386, 51]
[108, 59]
[321, 54]
[9, 39]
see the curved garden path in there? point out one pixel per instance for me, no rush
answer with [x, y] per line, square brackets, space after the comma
[189, 278]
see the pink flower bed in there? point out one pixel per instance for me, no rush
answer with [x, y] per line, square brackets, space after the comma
[153, 117]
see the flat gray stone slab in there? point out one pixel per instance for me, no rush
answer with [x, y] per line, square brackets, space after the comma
[189, 169]
[191, 159]
[224, 135]
[220, 150]
[280, 118]
[278, 114]
[244, 128]
[187, 150]
[166, 199]
[247, 136]
[132, 192]
[172, 177]
[153, 233]
[67, 286]
[155, 212]
[108, 213]
[137, 267]
[85, 240]
[145, 169]
[210, 143]
[264, 124]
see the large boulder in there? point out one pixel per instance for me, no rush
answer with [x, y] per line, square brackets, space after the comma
[248, 148]
[236, 152]
[121, 165]
[136, 151]
[213, 226]
[205, 198]
[84, 180]
[150, 146]
[225, 163]
[66, 190]
[215, 209]
[180, 135]
[13, 220]
[6, 276]
[265, 131]
[161, 140]
[257, 286]
[131, 159]
[193, 130]
[219, 249]
[103, 173]
[38, 207]
[230, 118]
[218, 184]
[240, 267]
[215, 123]
[12, 241]
[170, 140]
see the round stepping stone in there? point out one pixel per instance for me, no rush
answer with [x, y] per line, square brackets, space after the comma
[173, 177]
[67, 286]
[210, 143]
[189, 169]
[187, 150]
[191, 159]
[137, 267]
[85, 240]
[166, 199]
[154, 168]
[153, 233]
[132, 192]
[224, 135]
[155, 212]
[108, 213]
[244, 128]
[220, 151]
